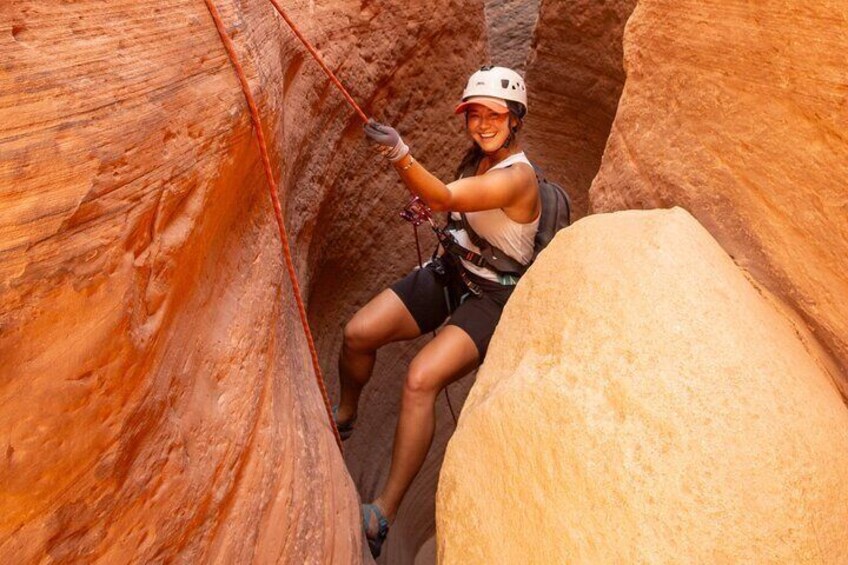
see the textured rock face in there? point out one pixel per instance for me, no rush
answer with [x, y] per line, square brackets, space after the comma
[157, 398]
[737, 111]
[510, 26]
[644, 402]
[575, 77]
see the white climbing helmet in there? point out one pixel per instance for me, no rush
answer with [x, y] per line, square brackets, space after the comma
[498, 83]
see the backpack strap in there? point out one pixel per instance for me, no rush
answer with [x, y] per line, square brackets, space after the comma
[453, 247]
[493, 258]
[542, 179]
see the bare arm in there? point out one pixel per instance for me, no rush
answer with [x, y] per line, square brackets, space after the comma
[511, 189]
[503, 188]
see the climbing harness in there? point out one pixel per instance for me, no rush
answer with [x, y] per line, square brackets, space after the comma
[554, 216]
[417, 213]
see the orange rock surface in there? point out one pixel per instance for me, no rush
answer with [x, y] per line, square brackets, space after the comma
[510, 27]
[643, 402]
[574, 78]
[157, 400]
[737, 111]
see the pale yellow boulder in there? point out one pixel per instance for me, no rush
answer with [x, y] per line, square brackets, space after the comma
[643, 402]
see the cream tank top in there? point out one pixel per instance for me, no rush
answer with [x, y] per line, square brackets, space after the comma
[511, 237]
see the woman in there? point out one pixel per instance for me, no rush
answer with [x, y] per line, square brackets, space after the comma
[500, 198]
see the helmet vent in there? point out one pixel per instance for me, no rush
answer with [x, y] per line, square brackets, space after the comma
[504, 83]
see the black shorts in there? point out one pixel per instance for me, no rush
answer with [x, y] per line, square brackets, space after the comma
[427, 295]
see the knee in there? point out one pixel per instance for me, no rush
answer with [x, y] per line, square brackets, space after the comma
[358, 337]
[421, 380]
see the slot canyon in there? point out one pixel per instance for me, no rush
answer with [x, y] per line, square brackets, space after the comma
[669, 381]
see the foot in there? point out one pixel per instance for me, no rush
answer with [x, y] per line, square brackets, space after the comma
[376, 527]
[345, 428]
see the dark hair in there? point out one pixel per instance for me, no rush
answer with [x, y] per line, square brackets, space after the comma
[517, 108]
[475, 154]
[471, 157]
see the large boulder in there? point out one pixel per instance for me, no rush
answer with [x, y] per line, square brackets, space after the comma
[157, 399]
[736, 111]
[644, 401]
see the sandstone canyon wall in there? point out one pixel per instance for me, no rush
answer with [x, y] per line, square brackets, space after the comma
[574, 77]
[644, 401]
[737, 111]
[510, 27]
[158, 401]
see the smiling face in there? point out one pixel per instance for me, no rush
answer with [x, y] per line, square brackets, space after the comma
[488, 129]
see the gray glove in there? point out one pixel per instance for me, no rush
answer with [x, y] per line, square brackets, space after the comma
[386, 140]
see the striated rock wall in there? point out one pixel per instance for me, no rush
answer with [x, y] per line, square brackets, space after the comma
[737, 111]
[510, 26]
[574, 78]
[644, 401]
[157, 398]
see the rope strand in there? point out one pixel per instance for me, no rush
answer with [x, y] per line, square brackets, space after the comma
[278, 211]
[320, 61]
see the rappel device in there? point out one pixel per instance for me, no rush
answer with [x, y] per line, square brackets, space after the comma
[416, 212]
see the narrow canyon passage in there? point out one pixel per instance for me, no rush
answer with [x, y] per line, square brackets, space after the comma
[572, 55]
[157, 399]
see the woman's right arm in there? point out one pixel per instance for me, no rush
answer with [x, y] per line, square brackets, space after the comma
[498, 189]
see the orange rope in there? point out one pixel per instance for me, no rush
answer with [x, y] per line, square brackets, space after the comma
[320, 61]
[278, 212]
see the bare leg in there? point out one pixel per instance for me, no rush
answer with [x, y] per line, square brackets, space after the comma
[448, 357]
[383, 320]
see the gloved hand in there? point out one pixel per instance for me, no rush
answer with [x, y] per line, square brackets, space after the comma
[386, 140]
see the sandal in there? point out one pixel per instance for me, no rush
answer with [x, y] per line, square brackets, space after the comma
[345, 428]
[375, 543]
